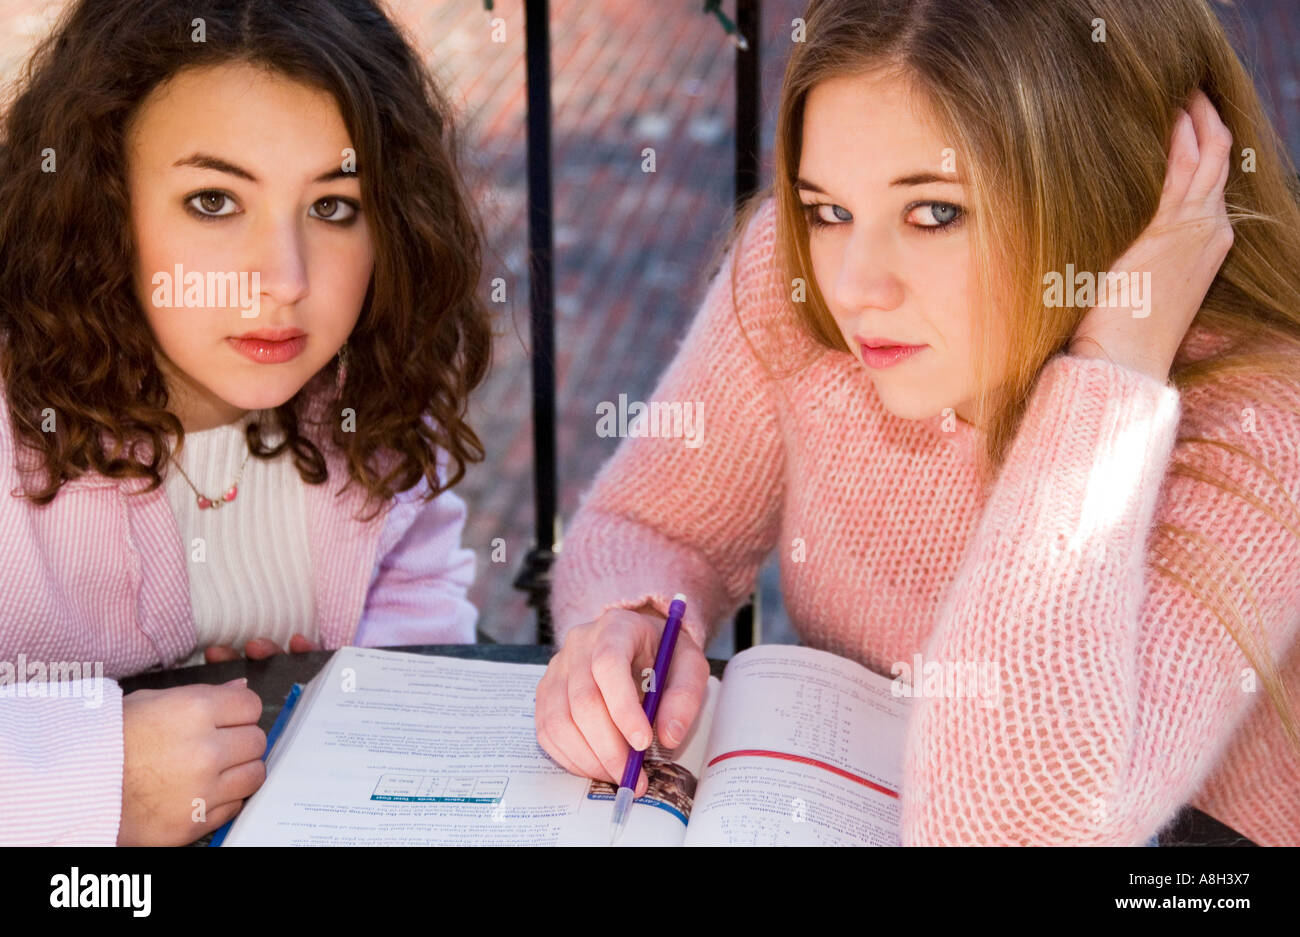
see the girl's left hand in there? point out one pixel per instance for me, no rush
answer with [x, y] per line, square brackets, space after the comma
[1182, 248]
[258, 649]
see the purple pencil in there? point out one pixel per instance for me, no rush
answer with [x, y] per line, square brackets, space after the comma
[667, 642]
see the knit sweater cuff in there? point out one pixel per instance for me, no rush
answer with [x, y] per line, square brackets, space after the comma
[1089, 457]
[1050, 588]
[631, 566]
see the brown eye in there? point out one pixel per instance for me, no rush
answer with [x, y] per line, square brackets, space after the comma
[209, 204]
[334, 209]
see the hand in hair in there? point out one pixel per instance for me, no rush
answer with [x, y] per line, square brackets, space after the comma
[1182, 249]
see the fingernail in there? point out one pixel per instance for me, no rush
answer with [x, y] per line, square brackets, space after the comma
[640, 742]
[243, 680]
[676, 730]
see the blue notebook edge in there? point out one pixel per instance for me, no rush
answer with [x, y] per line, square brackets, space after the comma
[290, 701]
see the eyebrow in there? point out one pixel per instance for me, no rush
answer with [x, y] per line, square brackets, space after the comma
[205, 161]
[919, 178]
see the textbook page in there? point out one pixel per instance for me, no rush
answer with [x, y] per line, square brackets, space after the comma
[393, 748]
[806, 749]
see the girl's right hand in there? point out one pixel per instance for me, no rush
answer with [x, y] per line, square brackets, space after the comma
[589, 707]
[182, 745]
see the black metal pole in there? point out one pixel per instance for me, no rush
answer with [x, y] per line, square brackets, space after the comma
[749, 92]
[534, 578]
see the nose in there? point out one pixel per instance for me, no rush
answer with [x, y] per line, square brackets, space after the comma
[866, 278]
[281, 260]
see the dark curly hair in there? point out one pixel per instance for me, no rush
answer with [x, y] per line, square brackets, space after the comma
[75, 338]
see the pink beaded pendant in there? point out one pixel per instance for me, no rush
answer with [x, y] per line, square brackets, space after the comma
[231, 493]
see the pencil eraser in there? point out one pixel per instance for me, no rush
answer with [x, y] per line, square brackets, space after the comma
[679, 597]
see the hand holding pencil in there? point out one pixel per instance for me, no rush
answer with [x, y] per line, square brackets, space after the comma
[589, 711]
[650, 705]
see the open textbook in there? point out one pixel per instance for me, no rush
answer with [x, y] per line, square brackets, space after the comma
[794, 746]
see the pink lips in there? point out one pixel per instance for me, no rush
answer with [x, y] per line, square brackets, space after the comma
[881, 353]
[267, 351]
[281, 334]
[873, 342]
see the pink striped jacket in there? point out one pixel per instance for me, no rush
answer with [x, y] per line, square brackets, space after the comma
[99, 578]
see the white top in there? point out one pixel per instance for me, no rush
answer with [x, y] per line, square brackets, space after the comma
[249, 566]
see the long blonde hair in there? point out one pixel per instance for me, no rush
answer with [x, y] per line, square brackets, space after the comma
[1064, 141]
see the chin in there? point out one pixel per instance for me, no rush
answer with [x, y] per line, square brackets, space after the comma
[910, 408]
[261, 398]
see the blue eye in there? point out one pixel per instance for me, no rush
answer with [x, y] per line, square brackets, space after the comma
[942, 216]
[812, 214]
[945, 215]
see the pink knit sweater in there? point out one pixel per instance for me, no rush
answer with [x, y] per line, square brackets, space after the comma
[1122, 696]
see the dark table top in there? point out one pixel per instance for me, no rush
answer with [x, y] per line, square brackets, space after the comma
[272, 678]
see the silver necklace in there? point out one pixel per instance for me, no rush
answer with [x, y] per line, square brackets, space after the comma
[230, 494]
